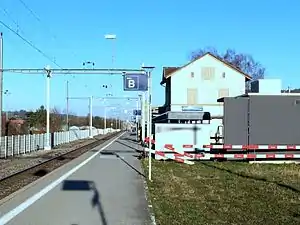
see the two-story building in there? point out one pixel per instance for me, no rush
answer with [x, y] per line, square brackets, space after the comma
[197, 85]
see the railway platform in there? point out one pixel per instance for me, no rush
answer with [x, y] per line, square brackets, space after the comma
[104, 186]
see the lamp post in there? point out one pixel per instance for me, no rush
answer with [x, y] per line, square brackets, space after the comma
[137, 120]
[148, 70]
[142, 105]
[111, 37]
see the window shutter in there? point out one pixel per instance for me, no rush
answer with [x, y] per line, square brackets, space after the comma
[207, 73]
[192, 96]
[223, 92]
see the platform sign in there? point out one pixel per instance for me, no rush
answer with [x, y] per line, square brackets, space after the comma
[137, 112]
[135, 82]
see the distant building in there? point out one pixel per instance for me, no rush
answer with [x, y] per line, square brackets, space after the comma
[197, 85]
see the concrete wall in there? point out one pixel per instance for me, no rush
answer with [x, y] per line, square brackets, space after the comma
[272, 120]
[235, 121]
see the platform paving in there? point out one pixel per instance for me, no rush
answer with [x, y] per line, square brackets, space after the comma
[108, 190]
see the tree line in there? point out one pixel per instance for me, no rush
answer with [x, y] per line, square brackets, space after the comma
[34, 122]
[242, 61]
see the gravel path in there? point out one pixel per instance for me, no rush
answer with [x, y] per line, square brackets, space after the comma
[18, 163]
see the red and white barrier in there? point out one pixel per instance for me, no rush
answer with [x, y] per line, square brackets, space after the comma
[174, 156]
[255, 156]
[181, 153]
[254, 147]
[184, 146]
[147, 140]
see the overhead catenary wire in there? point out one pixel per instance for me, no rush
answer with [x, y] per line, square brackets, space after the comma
[12, 19]
[30, 10]
[30, 44]
[19, 30]
[37, 18]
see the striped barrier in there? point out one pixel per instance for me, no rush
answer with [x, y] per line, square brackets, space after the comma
[147, 140]
[253, 147]
[175, 156]
[209, 156]
[186, 152]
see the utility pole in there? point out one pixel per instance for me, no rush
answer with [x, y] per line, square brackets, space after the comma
[105, 120]
[149, 125]
[137, 120]
[91, 117]
[67, 106]
[1, 81]
[48, 78]
[6, 93]
[142, 99]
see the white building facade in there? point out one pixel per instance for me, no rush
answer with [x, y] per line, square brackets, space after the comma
[197, 85]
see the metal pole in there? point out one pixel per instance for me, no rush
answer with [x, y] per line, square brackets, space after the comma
[48, 78]
[149, 125]
[104, 120]
[137, 121]
[1, 81]
[67, 106]
[91, 117]
[143, 115]
[113, 53]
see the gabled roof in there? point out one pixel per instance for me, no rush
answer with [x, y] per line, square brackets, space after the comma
[169, 71]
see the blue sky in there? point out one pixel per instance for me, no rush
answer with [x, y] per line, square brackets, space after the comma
[158, 33]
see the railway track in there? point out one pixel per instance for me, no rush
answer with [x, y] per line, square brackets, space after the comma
[16, 181]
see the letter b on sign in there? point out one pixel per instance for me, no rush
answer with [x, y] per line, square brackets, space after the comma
[135, 82]
[131, 83]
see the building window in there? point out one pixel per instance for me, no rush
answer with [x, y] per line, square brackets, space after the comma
[192, 96]
[223, 92]
[223, 75]
[192, 75]
[207, 73]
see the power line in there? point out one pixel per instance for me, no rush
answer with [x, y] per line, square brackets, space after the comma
[30, 44]
[12, 19]
[96, 71]
[30, 10]
[34, 15]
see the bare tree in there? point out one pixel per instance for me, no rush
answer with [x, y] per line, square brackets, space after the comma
[56, 120]
[242, 61]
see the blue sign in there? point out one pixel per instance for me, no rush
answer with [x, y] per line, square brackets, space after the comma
[135, 82]
[192, 108]
[137, 112]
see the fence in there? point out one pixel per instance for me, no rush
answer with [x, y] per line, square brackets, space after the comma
[187, 152]
[22, 144]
